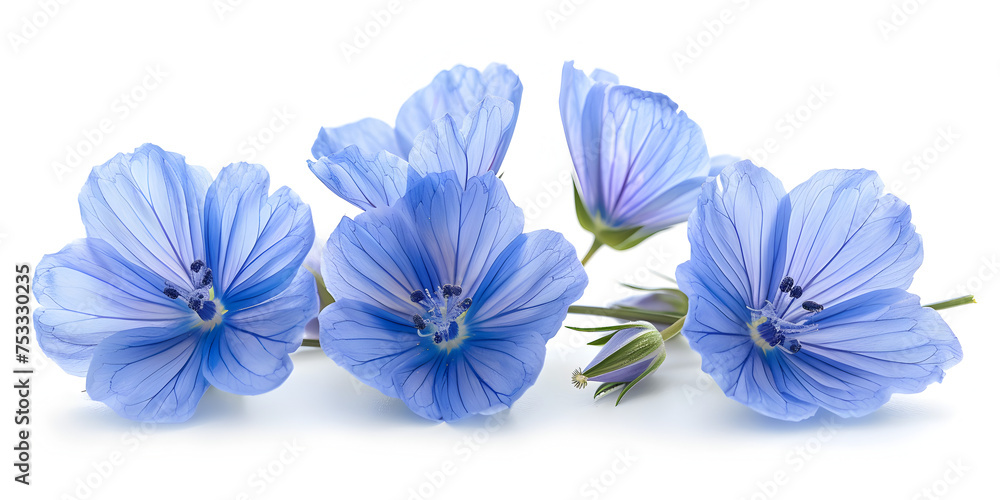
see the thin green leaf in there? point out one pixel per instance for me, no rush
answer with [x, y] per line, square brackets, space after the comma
[609, 328]
[628, 315]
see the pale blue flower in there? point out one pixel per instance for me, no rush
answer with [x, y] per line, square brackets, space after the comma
[798, 301]
[182, 282]
[442, 302]
[638, 160]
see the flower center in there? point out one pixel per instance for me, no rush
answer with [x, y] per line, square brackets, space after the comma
[768, 330]
[443, 319]
[201, 297]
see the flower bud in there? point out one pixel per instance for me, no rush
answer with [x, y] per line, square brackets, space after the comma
[633, 351]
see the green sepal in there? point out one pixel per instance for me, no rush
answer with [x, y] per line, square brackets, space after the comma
[606, 388]
[641, 346]
[652, 368]
[581, 211]
[603, 340]
[619, 239]
[325, 298]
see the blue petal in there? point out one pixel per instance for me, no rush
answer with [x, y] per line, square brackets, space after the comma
[248, 354]
[377, 258]
[674, 205]
[369, 341]
[473, 150]
[463, 230]
[484, 376]
[149, 374]
[455, 92]
[87, 291]
[440, 148]
[670, 208]
[370, 135]
[869, 347]
[366, 181]
[148, 206]
[528, 288]
[735, 233]
[721, 336]
[845, 239]
[581, 103]
[255, 243]
[638, 161]
[647, 148]
[488, 129]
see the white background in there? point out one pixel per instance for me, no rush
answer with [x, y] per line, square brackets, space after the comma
[891, 90]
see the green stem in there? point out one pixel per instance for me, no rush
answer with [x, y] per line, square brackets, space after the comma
[593, 249]
[945, 304]
[310, 342]
[626, 314]
[672, 330]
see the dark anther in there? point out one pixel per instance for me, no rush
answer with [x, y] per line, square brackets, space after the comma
[194, 304]
[197, 265]
[811, 306]
[207, 278]
[448, 290]
[795, 292]
[778, 339]
[456, 290]
[786, 284]
[171, 292]
[419, 322]
[437, 338]
[466, 304]
[417, 296]
[794, 346]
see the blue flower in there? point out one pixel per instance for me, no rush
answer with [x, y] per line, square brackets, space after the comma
[181, 283]
[442, 301]
[469, 149]
[798, 300]
[638, 160]
[454, 92]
